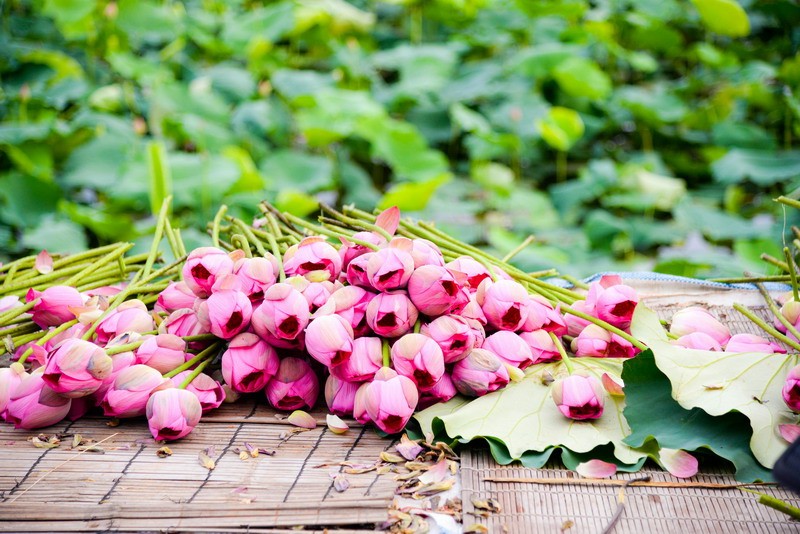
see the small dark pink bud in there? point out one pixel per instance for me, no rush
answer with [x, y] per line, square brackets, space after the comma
[77, 368]
[294, 386]
[391, 314]
[579, 397]
[283, 315]
[389, 268]
[504, 303]
[312, 254]
[419, 358]
[249, 363]
[481, 372]
[202, 268]
[172, 413]
[207, 390]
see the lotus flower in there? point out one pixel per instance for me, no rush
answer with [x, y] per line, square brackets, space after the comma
[202, 268]
[357, 271]
[454, 335]
[698, 341]
[443, 391]
[76, 368]
[390, 400]
[350, 303]
[329, 340]
[132, 387]
[481, 372]
[177, 295]
[340, 395]
[389, 269]
[283, 314]
[182, 323]
[510, 348]
[52, 306]
[208, 391]
[753, 343]
[504, 303]
[294, 385]
[33, 404]
[249, 363]
[579, 397]
[697, 319]
[10, 378]
[172, 413]
[435, 291]
[350, 250]
[310, 255]
[612, 301]
[364, 361]
[791, 389]
[391, 314]
[543, 348]
[360, 404]
[225, 313]
[542, 316]
[130, 316]
[419, 358]
[473, 269]
[600, 343]
[162, 352]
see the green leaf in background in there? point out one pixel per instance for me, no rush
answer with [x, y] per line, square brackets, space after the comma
[56, 235]
[294, 169]
[412, 196]
[296, 202]
[725, 17]
[714, 223]
[493, 177]
[263, 25]
[561, 128]
[724, 382]
[760, 166]
[582, 77]
[109, 226]
[26, 200]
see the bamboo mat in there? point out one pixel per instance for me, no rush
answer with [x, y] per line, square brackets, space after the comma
[130, 488]
[577, 509]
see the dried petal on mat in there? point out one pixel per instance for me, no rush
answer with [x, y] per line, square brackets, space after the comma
[164, 452]
[789, 432]
[340, 482]
[408, 448]
[391, 458]
[335, 424]
[679, 463]
[205, 458]
[436, 473]
[596, 469]
[489, 505]
[46, 443]
[476, 529]
[302, 419]
[244, 455]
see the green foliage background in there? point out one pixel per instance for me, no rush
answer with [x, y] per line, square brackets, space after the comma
[624, 134]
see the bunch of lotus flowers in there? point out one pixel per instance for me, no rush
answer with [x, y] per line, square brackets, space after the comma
[382, 323]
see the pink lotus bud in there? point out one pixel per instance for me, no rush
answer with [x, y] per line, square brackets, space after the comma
[752, 343]
[443, 391]
[255, 276]
[423, 252]
[389, 268]
[130, 316]
[600, 343]
[357, 271]
[10, 378]
[453, 334]
[697, 319]
[390, 400]
[435, 291]
[340, 395]
[74, 331]
[80, 407]
[791, 311]
[419, 358]
[315, 293]
[310, 255]
[479, 373]
[575, 324]
[504, 303]
[791, 389]
[9, 303]
[473, 312]
[391, 314]
[543, 348]
[33, 404]
[360, 404]
[225, 313]
[579, 397]
[249, 363]
[162, 352]
[510, 348]
[329, 340]
[283, 314]
[38, 356]
[52, 306]
[350, 303]
[698, 341]
[349, 250]
[202, 268]
[207, 390]
[177, 295]
[542, 316]
[172, 413]
[76, 368]
[119, 362]
[474, 270]
[183, 323]
[612, 301]
[294, 385]
[128, 395]
[364, 361]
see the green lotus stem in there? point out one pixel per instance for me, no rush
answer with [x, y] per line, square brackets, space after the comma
[563, 352]
[215, 227]
[136, 344]
[775, 503]
[82, 257]
[574, 281]
[355, 222]
[773, 307]
[27, 338]
[159, 232]
[792, 272]
[26, 327]
[611, 328]
[206, 353]
[276, 251]
[10, 276]
[519, 248]
[769, 329]
[194, 374]
[775, 261]
[387, 360]
[788, 201]
[251, 237]
[549, 272]
[16, 312]
[172, 239]
[240, 242]
[21, 262]
[330, 233]
[49, 335]
[94, 266]
[179, 241]
[750, 280]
